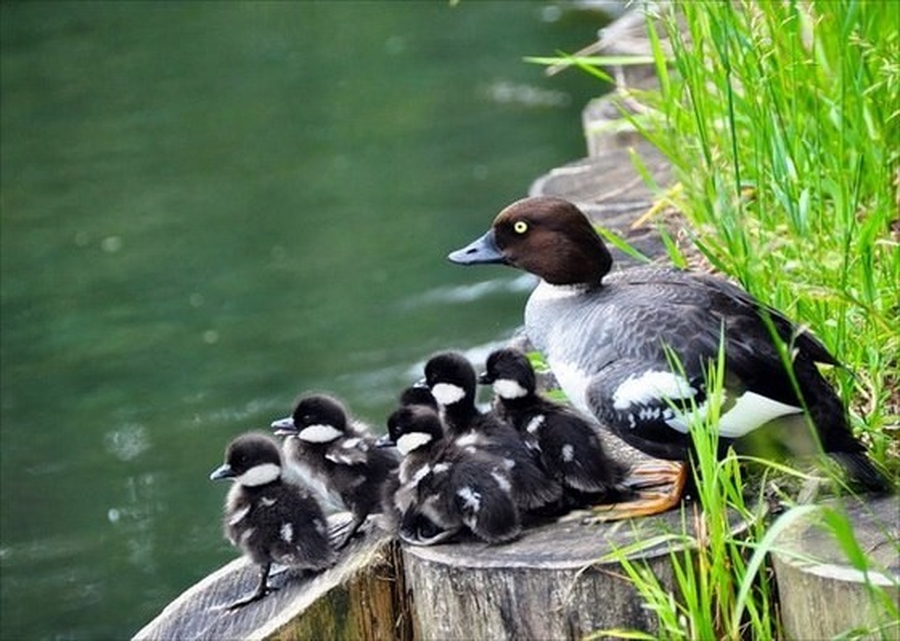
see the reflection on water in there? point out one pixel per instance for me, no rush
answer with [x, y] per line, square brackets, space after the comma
[209, 207]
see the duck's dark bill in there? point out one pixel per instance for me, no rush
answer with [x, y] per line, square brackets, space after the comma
[481, 251]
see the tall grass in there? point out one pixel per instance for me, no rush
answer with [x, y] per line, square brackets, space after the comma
[781, 121]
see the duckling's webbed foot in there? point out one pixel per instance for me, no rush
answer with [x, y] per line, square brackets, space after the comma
[262, 589]
[658, 486]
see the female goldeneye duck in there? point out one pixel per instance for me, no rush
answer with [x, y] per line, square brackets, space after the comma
[610, 337]
[444, 488]
[452, 381]
[271, 519]
[341, 458]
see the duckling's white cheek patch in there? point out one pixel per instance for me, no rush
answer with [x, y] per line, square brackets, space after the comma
[651, 387]
[287, 533]
[320, 433]
[508, 388]
[259, 475]
[567, 453]
[414, 440]
[447, 394]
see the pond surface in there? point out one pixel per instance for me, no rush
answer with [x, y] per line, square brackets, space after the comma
[210, 207]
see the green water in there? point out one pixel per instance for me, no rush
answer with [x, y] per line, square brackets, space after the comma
[209, 207]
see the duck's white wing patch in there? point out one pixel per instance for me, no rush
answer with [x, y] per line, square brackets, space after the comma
[319, 433]
[259, 475]
[508, 388]
[751, 410]
[411, 441]
[447, 394]
[651, 387]
[748, 412]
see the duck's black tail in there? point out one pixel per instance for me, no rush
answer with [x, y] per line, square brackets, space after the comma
[863, 472]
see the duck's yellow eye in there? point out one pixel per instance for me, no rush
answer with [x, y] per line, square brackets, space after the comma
[520, 227]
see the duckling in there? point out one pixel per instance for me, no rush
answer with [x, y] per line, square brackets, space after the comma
[401, 486]
[452, 381]
[568, 445]
[271, 519]
[324, 447]
[610, 339]
[446, 487]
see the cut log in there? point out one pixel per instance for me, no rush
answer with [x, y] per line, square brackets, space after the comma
[822, 594]
[359, 598]
[547, 585]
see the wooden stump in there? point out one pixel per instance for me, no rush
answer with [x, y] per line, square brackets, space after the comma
[547, 585]
[822, 594]
[361, 597]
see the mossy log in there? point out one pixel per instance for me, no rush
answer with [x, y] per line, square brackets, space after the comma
[361, 597]
[822, 593]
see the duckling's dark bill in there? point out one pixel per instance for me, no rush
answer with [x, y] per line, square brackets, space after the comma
[482, 251]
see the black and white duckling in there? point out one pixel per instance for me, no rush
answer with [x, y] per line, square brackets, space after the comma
[271, 519]
[443, 488]
[399, 490]
[342, 458]
[569, 447]
[610, 338]
[453, 384]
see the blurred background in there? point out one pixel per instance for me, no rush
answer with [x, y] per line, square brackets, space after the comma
[208, 208]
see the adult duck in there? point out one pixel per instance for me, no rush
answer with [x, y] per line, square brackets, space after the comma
[612, 338]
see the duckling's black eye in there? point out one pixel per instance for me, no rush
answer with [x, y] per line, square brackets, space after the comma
[520, 227]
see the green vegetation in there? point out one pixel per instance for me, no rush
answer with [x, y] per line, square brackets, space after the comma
[782, 122]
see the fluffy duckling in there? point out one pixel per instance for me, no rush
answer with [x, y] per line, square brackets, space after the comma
[269, 518]
[453, 383]
[343, 458]
[568, 446]
[447, 487]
